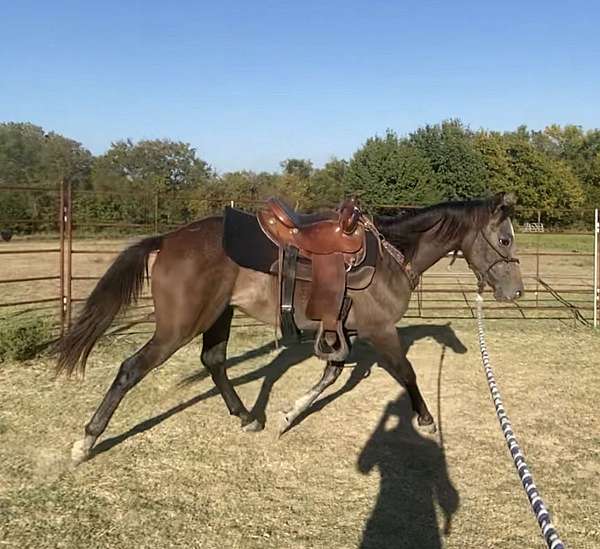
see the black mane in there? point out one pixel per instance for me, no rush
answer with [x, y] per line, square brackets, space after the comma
[449, 220]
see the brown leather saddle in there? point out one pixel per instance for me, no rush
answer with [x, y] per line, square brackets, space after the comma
[334, 243]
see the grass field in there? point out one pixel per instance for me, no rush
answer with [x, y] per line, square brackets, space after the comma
[176, 471]
[557, 242]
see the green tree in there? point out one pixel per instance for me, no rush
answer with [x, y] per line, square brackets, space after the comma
[158, 164]
[458, 166]
[390, 170]
[297, 167]
[139, 173]
[580, 150]
[245, 188]
[516, 162]
[30, 157]
[327, 185]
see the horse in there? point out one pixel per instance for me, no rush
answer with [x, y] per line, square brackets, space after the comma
[195, 288]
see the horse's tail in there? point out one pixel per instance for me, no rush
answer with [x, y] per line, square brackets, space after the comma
[120, 285]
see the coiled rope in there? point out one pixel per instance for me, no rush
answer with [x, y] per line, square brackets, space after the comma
[540, 511]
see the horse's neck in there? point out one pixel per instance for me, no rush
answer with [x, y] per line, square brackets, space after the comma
[429, 251]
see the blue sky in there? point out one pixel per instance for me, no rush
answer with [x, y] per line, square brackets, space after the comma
[249, 83]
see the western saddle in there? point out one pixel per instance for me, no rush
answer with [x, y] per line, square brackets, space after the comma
[334, 243]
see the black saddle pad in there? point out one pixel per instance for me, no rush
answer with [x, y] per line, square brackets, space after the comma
[246, 244]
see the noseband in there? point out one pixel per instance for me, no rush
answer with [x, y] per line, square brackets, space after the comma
[481, 276]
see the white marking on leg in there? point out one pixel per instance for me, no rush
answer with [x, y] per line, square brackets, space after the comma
[80, 450]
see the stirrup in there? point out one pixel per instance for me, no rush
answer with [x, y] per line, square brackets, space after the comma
[332, 345]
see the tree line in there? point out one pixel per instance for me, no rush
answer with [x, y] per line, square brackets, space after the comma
[165, 181]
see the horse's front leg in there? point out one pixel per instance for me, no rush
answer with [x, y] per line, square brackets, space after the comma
[389, 346]
[331, 373]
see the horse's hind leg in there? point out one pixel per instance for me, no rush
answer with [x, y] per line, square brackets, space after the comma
[331, 373]
[131, 372]
[172, 332]
[213, 356]
[393, 359]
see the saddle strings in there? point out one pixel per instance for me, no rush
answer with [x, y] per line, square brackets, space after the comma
[278, 313]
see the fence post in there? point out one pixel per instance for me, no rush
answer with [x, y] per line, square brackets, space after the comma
[61, 259]
[69, 234]
[596, 266]
[537, 262]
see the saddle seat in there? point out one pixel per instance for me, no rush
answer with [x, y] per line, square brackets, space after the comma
[334, 242]
[319, 233]
[291, 218]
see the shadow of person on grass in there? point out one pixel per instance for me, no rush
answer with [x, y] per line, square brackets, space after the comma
[414, 477]
[287, 358]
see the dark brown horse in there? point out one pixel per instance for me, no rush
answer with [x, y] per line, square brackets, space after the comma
[195, 287]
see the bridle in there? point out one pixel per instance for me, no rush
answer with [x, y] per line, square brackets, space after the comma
[502, 258]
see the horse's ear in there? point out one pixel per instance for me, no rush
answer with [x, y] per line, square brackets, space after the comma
[504, 204]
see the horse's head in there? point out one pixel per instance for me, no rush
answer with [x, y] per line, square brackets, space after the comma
[490, 252]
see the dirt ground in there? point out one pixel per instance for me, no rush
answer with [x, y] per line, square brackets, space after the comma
[174, 470]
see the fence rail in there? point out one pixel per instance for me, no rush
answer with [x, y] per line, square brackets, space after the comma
[58, 270]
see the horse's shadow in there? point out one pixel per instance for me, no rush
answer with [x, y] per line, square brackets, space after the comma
[414, 477]
[362, 354]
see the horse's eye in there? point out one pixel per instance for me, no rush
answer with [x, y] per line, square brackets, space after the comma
[504, 242]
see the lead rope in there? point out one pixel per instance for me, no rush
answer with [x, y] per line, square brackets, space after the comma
[538, 506]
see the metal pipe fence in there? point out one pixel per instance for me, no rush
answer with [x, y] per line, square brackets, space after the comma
[55, 257]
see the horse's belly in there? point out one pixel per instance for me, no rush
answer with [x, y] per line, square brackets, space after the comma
[255, 294]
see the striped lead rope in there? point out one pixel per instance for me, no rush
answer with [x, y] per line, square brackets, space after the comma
[540, 511]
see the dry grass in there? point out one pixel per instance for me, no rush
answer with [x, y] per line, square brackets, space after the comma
[181, 475]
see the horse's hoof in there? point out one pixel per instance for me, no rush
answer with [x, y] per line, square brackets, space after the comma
[79, 452]
[253, 427]
[426, 424]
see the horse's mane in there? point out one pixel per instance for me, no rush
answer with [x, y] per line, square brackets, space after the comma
[449, 221]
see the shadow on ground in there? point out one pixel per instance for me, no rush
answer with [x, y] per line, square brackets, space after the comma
[414, 477]
[362, 354]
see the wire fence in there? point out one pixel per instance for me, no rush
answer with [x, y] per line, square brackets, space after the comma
[51, 258]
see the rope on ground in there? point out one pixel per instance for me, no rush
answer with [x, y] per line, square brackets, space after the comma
[540, 511]
[573, 308]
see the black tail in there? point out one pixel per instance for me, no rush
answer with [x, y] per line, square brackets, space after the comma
[120, 285]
